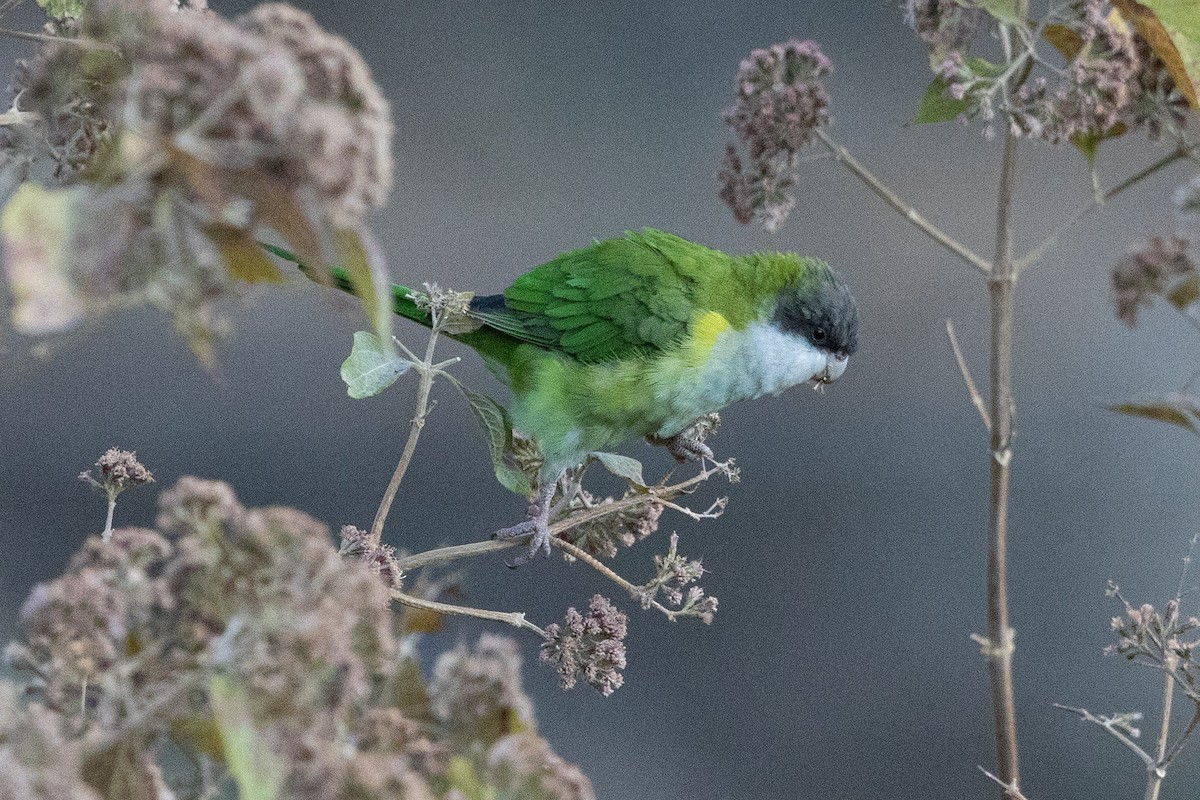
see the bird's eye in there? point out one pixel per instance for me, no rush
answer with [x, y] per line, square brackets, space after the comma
[818, 334]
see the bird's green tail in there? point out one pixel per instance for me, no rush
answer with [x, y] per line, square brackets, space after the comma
[339, 278]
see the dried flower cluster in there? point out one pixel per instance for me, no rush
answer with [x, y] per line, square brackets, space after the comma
[781, 103]
[1164, 639]
[1112, 80]
[603, 537]
[119, 470]
[235, 631]
[673, 574]
[590, 646]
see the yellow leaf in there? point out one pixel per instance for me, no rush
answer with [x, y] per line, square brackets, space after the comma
[1172, 29]
[1066, 40]
[244, 257]
[37, 227]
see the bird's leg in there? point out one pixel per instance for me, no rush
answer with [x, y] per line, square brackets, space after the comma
[683, 447]
[538, 524]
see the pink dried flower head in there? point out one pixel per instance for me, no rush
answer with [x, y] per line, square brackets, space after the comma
[673, 574]
[943, 26]
[118, 470]
[591, 646]
[782, 99]
[476, 692]
[523, 765]
[604, 536]
[379, 558]
[1151, 272]
[781, 104]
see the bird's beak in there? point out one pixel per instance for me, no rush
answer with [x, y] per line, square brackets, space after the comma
[835, 365]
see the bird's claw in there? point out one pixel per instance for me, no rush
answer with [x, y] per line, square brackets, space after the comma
[684, 448]
[539, 542]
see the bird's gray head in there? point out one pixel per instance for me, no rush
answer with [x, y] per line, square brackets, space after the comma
[820, 308]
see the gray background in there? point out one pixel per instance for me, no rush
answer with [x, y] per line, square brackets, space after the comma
[850, 566]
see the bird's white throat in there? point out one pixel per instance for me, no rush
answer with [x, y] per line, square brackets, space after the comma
[761, 359]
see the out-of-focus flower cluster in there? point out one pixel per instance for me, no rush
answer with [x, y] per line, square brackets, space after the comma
[589, 646]
[672, 578]
[781, 103]
[1162, 638]
[1165, 267]
[1112, 81]
[242, 636]
[181, 134]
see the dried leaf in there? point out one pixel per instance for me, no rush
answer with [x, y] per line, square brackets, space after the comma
[1172, 29]
[369, 369]
[1185, 292]
[1066, 40]
[37, 227]
[243, 256]
[363, 261]
[1176, 409]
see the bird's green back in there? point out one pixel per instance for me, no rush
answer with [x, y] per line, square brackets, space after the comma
[635, 294]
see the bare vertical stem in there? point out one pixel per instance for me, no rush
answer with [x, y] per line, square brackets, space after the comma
[1001, 283]
[1157, 771]
[414, 433]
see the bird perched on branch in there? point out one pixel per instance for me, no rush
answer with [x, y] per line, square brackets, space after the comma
[641, 336]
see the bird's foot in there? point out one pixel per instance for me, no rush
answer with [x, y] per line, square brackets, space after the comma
[684, 448]
[538, 524]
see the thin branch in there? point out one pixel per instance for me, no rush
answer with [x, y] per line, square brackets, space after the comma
[47, 37]
[843, 157]
[976, 397]
[1176, 748]
[635, 591]
[514, 618]
[1001, 286]
[660, 494]
[1012, 792]
[1035, 255]
[427, 370]
[1110, 724]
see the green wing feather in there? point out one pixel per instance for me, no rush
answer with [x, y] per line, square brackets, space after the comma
[616, 298]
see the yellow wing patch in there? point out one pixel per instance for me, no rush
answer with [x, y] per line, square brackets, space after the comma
[704, 335]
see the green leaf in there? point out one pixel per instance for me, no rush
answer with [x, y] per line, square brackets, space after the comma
[936, 107]
[622, 466]
[63, 9]
[1176, 409]
[497, 425]
[1003, 10]
[37, 228]
[370, 369]
[256, 770]
[985, 68]
[1089, 143]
